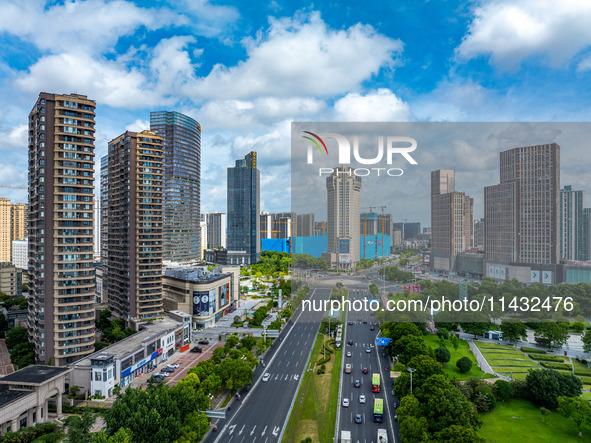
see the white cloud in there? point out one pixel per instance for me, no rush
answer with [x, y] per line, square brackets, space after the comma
[510, 30]
[80, 26]
[585, 64]
[101, 80]
[378, 106]
[301, 57]
[138, 126]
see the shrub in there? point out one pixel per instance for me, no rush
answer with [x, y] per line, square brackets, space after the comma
[565, 366]
[464, 364]
[503, 390]
[484, 400]
[583, 372]
[542, 357]
[442, 354]
[585, 380]
[532, 350]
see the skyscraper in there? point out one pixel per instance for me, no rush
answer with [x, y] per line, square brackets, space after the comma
[244, 208]
[5, 231]
[452, 219]
[522, 211]
[61, 183]
[344, 215]
[572, 225]
[18, 221]
[304, 226]
[216, 229]
[104, 221]
[181, 187]
[133, 267]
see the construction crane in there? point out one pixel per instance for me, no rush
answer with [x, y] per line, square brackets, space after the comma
[13, 187]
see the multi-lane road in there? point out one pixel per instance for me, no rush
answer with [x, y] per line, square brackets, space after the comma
[363, 339]
[262, 414]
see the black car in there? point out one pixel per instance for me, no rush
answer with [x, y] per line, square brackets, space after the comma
[350, 342]
[357, 383]
[204, 342]
[197, 349]
[156, 378]
[167, 369]
[358, 418]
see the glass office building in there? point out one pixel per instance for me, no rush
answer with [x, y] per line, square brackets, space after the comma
[181, 190]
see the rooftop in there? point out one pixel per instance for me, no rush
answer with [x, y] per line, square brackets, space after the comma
[34, 375]
[133, 342]
[7, 396]
[194, 274]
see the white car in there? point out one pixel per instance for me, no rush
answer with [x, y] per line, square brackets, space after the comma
[362, 398]
[163, 374]
[348, 353]
[345, 402]
[368, 350]
[174, 365]
[266, 376]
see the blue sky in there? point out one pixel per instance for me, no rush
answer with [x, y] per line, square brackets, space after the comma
[245, 70]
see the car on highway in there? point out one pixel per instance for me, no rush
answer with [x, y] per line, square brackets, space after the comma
[368, 350]
[362, 398]
[174, 365]
[197, 349]
[373, 328]
[350, 342]
[162, 374]
[357, 383]
[345, 402]
[349, 354]
[358, 418]
[350, 323]
[266, 376]
[365, 370]
[348, 368]
[203, 342]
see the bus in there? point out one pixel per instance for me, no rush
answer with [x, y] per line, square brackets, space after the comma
[338, 337]
[375, 383]
[378, 410]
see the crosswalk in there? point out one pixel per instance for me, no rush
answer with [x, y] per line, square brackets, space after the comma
[284, 377]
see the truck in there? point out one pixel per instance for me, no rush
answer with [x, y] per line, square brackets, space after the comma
[345, 436]
[382, 436]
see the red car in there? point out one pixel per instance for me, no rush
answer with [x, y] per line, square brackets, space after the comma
[373, 328]
[365, 371]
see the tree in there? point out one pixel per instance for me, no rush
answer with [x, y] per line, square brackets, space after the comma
[414, 430]
[79, 428]
[442, 355]
[587, 340]
[577, 409]
[231, 342]
[513, 330]
[476, 328]
[443, 333]
[503, 390]
[248, 342]
[464, 364]
[545, 386]
[544, 413]
[16, 335]
[373, 289]
[424, 367]
[23, 354]
[408, 347]
[553, 335]
[455, 342]
[458, 434]
[484, 400]
[123, 435]
[3, 324]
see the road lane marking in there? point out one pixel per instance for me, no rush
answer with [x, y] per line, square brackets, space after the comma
[264, 430]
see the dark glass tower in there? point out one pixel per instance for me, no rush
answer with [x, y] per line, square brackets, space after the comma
[181, 190]
[244, 208]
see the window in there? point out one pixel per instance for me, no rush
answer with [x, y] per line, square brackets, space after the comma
[97, 376]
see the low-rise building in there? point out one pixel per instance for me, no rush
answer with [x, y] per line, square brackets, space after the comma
[11, 280]
[120, 363]
[20, 253]
[206, 295]
[24, 396]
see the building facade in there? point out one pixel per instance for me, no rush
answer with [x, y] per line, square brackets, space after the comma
[133, 267]
[13, 219]
[343, 212]
[452, 220]
[305, 225]
[181, 186]
[409, 230]
[20, 253]
[11, 280]
[573, 245]
[216, 229]
[104, 186]
[522, 211]
[243, 228]
[61, 184]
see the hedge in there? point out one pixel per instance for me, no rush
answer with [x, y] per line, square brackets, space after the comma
[583, 372]
[566, 366]
[586, 380]
[543, 357]
[532, 350]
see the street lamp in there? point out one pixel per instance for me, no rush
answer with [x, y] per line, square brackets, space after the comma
[411, 370]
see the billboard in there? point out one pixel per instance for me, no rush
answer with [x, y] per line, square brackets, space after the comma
[224, 294]
[547, 277]
[344, 246]
[204, 302]
[535, 276]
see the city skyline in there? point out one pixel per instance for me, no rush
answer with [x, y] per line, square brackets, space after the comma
[243, 71]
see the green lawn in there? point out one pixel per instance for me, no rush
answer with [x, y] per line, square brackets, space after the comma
[499, 426]
[504, 355]
[518, 362]
[514, 375]
[450, 368]
[487, 345]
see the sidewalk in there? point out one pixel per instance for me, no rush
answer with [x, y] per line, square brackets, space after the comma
[482, 363]
[5, 365]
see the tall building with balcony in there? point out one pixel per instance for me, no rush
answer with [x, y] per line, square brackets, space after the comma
[522, 211]
[344, 213]
[18, 221]
[5, 208]
[61, 186]
[104, 214]
[573, 244]
[181, 186]
[244, 206]
[216, 229]
[133, 266]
